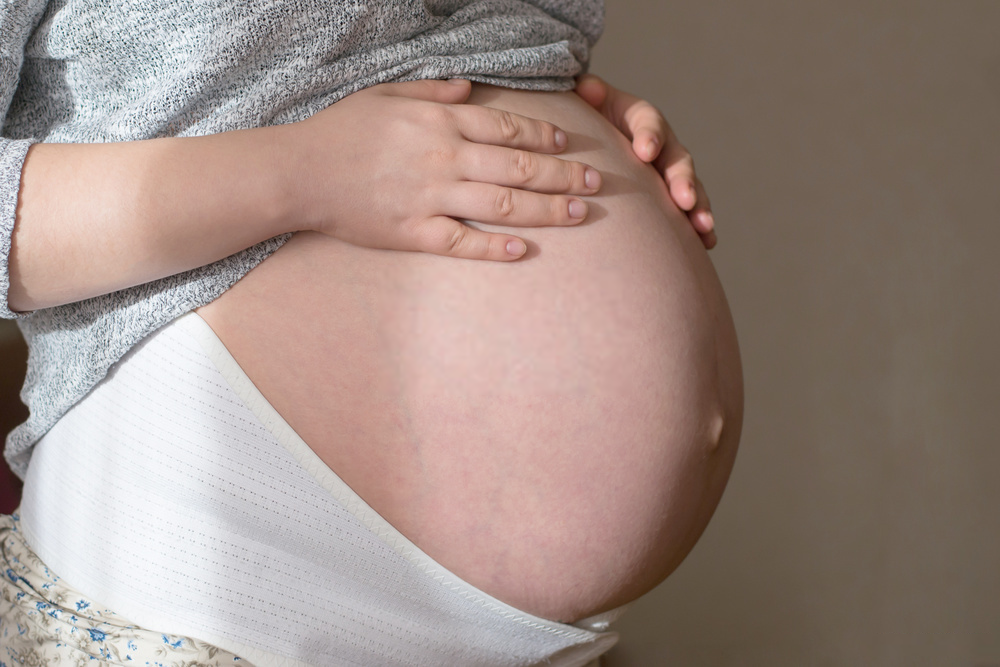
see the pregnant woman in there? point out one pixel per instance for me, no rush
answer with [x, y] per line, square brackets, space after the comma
[364, 443]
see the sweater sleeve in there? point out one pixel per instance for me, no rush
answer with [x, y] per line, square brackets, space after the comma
[17, 19]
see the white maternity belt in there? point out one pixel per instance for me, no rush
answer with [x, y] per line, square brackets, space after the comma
[176, 495]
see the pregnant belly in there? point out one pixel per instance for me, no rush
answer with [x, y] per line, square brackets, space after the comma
[557, 431]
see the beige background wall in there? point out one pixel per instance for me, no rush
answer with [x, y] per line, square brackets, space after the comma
[852, 151]
[853, 156]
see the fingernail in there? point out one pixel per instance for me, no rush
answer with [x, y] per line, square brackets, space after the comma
[516, 248]
[592, 178]
[560, 139]
[651, 147]
[577, 209]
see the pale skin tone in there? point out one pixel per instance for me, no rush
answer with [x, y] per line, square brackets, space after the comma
[129, 213]
[556, 430]
[654, 141]
[555, 426]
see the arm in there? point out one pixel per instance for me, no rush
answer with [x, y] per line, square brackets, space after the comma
[654, 141]
[18, 19]
[394, 166]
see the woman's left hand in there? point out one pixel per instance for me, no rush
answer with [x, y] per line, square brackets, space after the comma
[653, 141]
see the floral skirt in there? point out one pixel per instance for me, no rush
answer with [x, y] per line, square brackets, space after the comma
[44, 622]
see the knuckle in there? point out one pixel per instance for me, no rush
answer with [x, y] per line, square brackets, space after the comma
[442, 155]
[426, 201]
[510, 129]
[503, 204]
[525, 167]
[455, 240]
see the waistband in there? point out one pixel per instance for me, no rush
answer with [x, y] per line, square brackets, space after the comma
[175, 494]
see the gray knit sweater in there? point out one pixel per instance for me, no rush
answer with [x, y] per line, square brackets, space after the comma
[101, 71]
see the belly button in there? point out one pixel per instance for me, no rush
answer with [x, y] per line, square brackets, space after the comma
[716, 425]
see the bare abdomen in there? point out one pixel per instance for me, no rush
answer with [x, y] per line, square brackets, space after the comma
[558, 430]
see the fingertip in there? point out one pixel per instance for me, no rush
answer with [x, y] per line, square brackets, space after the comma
[691, 193]
[463, 86]
[516, 248]
[590, 80]
[450, 91]
[701, 220]
[560, 139]
[652, 149]
[710, 240]
[683, 194]
[707, 220]
[592, 89]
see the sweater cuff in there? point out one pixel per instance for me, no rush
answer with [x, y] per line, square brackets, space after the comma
[12, 154]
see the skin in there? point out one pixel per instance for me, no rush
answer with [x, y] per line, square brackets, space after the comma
[555, 425]
[654, 141]
[558, 430]
[95, 218]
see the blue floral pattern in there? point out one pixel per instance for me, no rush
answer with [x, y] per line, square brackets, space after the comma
[44, 622]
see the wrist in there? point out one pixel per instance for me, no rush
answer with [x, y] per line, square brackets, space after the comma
[239, 185]
[301, 174]
[277, 184]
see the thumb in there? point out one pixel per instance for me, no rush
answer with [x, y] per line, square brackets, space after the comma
[453, 91]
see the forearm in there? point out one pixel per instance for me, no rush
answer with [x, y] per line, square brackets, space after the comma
[95, 218]
[394, 166]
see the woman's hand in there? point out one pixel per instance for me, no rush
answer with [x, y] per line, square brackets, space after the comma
[654, 141]
[394, 166]
[398, 165]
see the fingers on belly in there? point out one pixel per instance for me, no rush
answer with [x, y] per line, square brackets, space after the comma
[556, 430]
